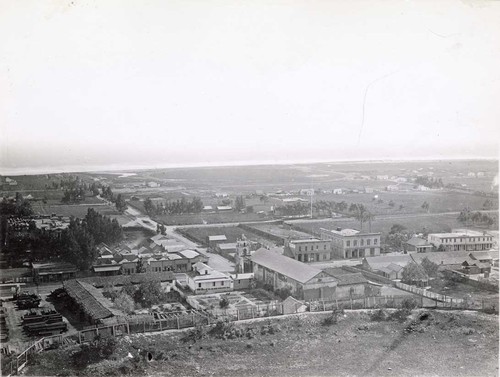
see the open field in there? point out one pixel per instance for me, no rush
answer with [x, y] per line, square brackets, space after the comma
[76, 210]
[232, 233]
[439, 201]
[466, 343]
[414, 223]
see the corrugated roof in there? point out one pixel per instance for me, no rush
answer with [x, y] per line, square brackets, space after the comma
[286, 266]
[90, 305]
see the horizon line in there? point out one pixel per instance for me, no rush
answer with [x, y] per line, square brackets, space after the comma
[103, 169]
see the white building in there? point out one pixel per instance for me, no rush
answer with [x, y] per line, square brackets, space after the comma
[204, 279]
[461, 240]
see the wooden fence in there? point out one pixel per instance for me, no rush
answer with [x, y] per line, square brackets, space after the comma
[182, 320]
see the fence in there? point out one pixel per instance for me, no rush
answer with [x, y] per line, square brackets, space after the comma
[426, 293]
[182, 320]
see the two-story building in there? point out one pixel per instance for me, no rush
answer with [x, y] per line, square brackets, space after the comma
[461, 240]
[309, 250]
[352, 243]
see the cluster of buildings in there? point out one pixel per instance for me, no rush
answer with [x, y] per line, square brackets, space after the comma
[47, 223]
[159, 254]
[468, 262]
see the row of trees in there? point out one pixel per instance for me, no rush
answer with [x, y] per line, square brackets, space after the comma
[429, 182]
[75, 190]
[75, 244]
[467, 217]
[173, 207]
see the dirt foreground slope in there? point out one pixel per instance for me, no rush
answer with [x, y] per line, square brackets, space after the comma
[359, 343]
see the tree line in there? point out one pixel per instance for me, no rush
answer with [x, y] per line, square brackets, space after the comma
[76, 244]
[176, 207]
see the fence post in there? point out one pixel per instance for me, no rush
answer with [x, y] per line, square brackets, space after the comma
[79, 337]
[351, 303]
[237, 314]
[451, 303]
[178, 324]
[323, 306]
[161, 329]
[144, 326]
[336, 303]
[128, 328]
[252, 313]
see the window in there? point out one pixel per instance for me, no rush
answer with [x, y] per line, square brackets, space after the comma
[306, 248]
[221, 283]
[372, 251]
[324, 256]
[362, 242]
[300, 248]
[317, 247]
[375, 241]
[355, 243]
[324, 248]
[213, 284]
[368, 242]
[348, 243]
[199, 285]
[299, 257]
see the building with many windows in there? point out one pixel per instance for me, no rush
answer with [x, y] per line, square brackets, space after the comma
[352, 243]
[461, 240]
[309, 250]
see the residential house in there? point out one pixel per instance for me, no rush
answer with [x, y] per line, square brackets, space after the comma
[242, 281]
[204, 279]
[418, 244]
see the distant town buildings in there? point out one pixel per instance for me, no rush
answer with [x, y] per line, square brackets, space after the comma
[351, 243]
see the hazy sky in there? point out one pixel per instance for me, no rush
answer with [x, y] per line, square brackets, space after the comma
[201, 82]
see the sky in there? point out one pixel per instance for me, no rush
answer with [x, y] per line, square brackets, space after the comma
[118, 84]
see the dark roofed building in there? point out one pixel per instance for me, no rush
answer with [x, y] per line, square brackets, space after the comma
[87, 302]
[304, 281]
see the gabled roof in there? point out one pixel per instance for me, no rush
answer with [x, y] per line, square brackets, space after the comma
[289, 267]
[417, 241]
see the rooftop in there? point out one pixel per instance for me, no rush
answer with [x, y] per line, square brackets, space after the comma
[286, 266]
[417, 241]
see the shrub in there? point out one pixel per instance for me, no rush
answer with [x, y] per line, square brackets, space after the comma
[125, 303]
[99, 349]
[409, 303]
[333, 318]
[224, 303]
[379, 315]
